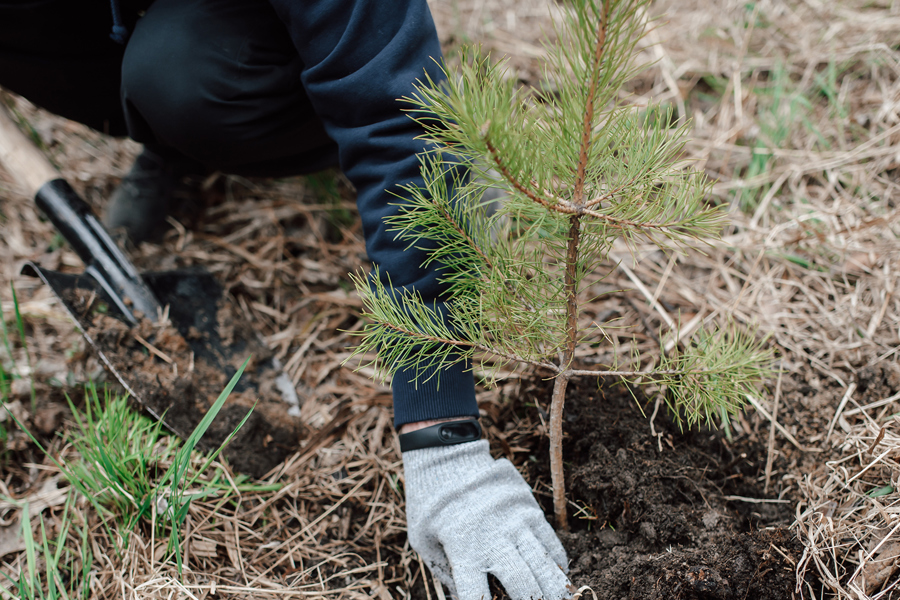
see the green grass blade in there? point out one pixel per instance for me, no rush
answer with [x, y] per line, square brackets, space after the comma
[175, 473]
[6, 593]
[5, 333]
[49, 563]
[20, 322]
[218, 451]
[207, 420]
[87, 562]
[882, 491]
[61, 545]
[182, 458]
[30, 555]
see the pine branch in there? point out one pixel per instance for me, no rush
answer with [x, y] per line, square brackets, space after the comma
[609, 194]
[462, 232]
[570, 208]
[629, 224]
[530, 194]
[651, 373]
[474, 345]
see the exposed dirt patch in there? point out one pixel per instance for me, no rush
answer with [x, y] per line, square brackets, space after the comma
[177, 368]
[661, 517]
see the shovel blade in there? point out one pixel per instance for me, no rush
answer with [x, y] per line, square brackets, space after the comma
[175, 371]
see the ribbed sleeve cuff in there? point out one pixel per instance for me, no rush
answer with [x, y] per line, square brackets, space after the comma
[447, 393]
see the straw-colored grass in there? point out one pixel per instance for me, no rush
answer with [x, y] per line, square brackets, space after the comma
[850, 521]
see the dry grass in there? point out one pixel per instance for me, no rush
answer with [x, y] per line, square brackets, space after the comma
[795, 109]
[812, 260]
[335, 528]
[849, 523]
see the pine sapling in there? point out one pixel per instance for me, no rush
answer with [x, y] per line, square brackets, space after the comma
[580, 169]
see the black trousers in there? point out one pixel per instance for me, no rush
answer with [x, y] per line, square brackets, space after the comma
[215, 80]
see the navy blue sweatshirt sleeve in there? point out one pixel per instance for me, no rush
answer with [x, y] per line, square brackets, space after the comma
[360, 57]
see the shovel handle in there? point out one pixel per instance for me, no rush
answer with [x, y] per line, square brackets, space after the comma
[75, 220]
[20, 158]
[104, 261]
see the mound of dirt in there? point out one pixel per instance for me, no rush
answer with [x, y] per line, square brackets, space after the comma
[679, 516]
[176, 369]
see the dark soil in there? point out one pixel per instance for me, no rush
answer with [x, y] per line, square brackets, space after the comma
[177, 369]
[656, 523]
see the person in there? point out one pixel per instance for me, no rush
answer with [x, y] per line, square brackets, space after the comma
[277, 88]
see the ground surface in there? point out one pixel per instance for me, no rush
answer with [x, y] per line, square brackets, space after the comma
[794, 116]
[675, 516]
[176, 371]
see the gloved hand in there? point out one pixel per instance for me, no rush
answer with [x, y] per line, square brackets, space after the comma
[469, 515]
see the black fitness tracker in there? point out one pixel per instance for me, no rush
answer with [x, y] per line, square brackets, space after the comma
[442, 434]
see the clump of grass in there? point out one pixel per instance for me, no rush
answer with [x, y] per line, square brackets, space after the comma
[782, 107]
[134, 474]
[121, 466]
[120, 454]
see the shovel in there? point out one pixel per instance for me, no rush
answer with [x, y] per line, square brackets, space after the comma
[170, 338]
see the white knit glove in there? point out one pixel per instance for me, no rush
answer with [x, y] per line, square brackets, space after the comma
[469, 515]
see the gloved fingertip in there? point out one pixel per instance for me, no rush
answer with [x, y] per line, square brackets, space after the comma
[544, 567]
[544, 533]
[563, 589]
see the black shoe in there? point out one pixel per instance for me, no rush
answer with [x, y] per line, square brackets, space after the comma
[153, 187]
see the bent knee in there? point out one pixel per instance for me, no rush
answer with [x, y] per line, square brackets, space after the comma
[221, 88]
[170, 97]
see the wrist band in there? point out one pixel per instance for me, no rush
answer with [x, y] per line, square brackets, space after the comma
[442, 434]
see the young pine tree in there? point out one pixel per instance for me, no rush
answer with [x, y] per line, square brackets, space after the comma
[579, 170]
